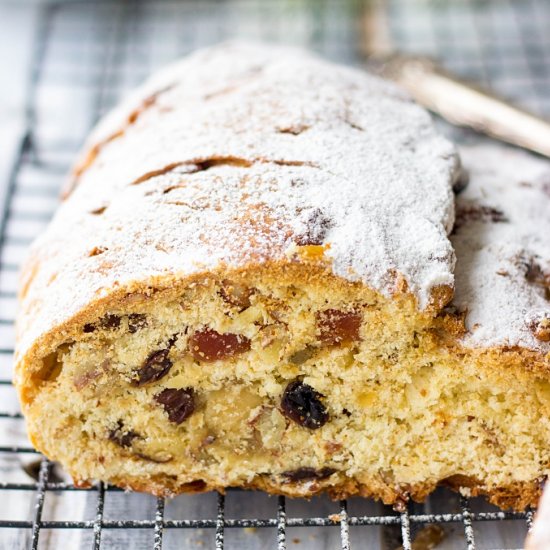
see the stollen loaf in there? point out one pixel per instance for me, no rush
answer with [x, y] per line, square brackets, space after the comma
[251, 282]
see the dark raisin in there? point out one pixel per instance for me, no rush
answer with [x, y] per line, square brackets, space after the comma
[302, 474]
[179, 404]
[317, 224]
[136, 321]
[88, 327]
[337, 327]
[121, 436]
[110, 321]
[209, 345]
[155, 367]
[302, 404]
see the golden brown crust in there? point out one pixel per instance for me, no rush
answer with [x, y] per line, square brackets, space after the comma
[516, 496]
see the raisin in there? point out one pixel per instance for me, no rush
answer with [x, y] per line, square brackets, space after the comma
[337, 327]
[155, 367]
[209, 345]
[317, 224]
[179, 404]
[235, 294]
[121, 436]
[136, 321]
[302, 474]
[110, 321]
[302, 404]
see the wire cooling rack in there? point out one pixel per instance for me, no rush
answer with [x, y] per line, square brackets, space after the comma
[87, 55]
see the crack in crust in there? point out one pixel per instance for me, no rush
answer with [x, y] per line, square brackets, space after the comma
[93, 151]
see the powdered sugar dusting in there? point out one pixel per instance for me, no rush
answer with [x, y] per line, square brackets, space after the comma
[502, 244]
[246, 150]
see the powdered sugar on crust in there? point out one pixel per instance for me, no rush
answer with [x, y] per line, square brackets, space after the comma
[502, 244]
[233, 155]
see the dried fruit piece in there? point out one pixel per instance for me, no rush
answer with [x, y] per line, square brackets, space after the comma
[236, 294]
[110, 321]
[302, 404]
[337, 327]
[317, 224]
[538, 323]
[121, 436]
[179, 404]
[155, 367]
[301, 356]
[136, 321]
[307, 473]
[209, 345]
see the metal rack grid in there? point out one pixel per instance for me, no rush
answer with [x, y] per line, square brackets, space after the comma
[89, 53]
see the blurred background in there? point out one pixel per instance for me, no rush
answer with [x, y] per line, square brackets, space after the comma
[63, 64]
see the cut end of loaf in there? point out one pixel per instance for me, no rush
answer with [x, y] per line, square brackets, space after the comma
[290, 380]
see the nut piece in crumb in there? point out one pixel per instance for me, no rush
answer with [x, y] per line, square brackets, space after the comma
[85, 375]
[209, 345]
[235, 294]
[270, 425]
[302, 404]
[338, 327]
[179, 404]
